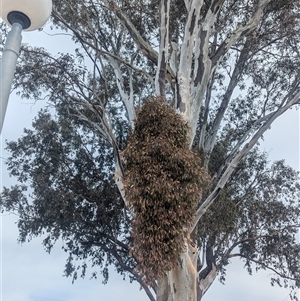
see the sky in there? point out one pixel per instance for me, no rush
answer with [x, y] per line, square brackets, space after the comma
[28, 273]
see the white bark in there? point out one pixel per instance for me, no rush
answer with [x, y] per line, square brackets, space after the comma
[205, 66]
[163, 48]
[173, 57]
[180, 284]
[204, 284]
[127, 99]
[118, 177]
[186, 55]
[202, 69]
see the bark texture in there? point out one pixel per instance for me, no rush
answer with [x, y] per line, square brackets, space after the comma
[181, 283]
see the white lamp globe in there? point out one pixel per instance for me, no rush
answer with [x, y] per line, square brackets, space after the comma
[32, 13]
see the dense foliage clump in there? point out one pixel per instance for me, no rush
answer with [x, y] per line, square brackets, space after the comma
[163, 180]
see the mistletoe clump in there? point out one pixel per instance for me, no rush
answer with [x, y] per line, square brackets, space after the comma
[163, 181]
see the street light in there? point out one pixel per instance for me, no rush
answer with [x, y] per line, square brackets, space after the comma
[25, 15]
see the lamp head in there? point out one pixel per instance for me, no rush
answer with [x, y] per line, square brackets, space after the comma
[31, 14]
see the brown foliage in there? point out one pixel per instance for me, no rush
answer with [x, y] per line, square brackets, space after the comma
[163, 180]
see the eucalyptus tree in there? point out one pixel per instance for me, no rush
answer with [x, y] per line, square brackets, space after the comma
[149, 161]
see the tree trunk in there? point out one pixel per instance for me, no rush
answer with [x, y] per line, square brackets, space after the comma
[184, 282]
[180, 284]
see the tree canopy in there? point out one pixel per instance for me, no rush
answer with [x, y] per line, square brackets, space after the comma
[106, 169]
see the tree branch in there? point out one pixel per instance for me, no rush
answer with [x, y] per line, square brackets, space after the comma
[236, 160]
[85, 43]
[240, 32]
[127, 99]
[160, 78]
[262, 264]
[125, 267]
[236, 74]
[204, 284]
[143, 45]
[185, 63]
[202, 63]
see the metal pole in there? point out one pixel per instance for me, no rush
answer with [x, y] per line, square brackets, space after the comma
[8, 65]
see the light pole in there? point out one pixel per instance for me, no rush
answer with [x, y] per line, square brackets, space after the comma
[21, 15]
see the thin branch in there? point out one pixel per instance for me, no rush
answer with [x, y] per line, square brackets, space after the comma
[240, 32]
[144, 46]
[236, 160]
[84, 43]
[204, 122]
[191, 31]
[236, 74]
[127, 100]
[262, 264]
[125, 267]
[160, 79]
[203, 70]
